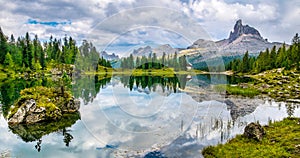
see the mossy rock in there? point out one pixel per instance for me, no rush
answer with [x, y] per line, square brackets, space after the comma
[38, 104]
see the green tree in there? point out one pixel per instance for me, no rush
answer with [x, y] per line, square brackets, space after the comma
[3, 46]
[8, 62]
[246, 63]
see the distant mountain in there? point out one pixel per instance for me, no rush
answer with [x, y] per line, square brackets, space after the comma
[110, 57]
[243, 38]
[142, 51]
[145, 51]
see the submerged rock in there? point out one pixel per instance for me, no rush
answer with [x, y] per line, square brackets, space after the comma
[254, 131]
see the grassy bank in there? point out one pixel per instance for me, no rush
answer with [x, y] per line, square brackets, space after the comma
[236, 90]
[282, 140]
[279, 84]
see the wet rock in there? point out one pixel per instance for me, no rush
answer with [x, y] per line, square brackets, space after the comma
[30, 113]
[72, 106]
[254, 131]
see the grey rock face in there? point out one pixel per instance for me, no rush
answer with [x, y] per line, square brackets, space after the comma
[72, 106]
[243, 38]
[240, 29]
[145, 51]
[30, 113]
[107, 56]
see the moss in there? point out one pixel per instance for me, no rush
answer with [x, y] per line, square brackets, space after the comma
[49, 98]
[282, 140]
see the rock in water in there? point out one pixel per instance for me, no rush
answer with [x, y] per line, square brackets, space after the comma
[254, 131]
[72, 106]
[29, 113]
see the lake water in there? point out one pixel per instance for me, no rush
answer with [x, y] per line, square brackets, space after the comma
[126, 116]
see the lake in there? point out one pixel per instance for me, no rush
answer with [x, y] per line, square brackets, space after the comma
[137, 116]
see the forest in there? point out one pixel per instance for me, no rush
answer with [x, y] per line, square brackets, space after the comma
[269, 59]
[31, 55]
[154, 62]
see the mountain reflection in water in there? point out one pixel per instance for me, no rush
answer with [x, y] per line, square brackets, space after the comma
[137, 116]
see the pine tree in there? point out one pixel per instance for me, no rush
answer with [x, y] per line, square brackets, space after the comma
[8, 62]
[3, 46]
[246, 63]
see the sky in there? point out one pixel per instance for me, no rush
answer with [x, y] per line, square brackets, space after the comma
[119, 26]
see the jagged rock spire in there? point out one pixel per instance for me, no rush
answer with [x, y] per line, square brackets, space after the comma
[240, 29]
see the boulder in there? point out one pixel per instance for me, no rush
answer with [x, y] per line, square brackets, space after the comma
[254, 131]
[28, 112]
[72, 106]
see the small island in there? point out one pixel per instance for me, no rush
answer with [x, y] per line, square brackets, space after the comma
[38, 104]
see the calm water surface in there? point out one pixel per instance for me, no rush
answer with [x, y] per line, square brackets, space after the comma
[128, 116]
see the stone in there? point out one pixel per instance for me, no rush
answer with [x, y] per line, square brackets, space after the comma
[18, 117]
[35, 117]
[254, 131]
[240, 29]
[30, 113]
[72, 106]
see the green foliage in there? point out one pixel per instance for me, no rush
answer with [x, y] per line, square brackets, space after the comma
[281, 140]
[154, 62]
[236, 90]
[8, 62]
[3, 46]
[50, 98]
[269, 60]
[33, 55]
[34, 132]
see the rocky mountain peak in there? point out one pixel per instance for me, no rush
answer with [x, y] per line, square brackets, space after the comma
[107, 56]
[240, 29]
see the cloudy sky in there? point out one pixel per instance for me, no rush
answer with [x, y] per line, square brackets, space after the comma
[123, 25]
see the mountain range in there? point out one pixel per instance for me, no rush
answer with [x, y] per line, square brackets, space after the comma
[109, 57]
[145, 51]
[243, 38]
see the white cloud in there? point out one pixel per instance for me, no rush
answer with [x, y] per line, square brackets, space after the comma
[107, 19]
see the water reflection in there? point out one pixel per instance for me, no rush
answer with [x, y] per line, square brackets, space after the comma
[152, 82]
[127, 116]
[35, 132]
[88, 86]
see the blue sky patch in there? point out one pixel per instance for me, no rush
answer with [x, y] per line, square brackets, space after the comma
[48, 23]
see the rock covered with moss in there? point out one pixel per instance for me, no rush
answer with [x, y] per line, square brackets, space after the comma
[39, 104]
[254, 131]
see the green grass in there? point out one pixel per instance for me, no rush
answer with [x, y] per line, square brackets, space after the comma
[236, 90]
[282, 140]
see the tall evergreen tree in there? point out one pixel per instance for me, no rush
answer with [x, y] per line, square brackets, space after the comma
[3, 46]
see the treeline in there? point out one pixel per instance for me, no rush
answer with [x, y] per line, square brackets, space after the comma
[154, 62]
[26, 54]
[267, 60]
